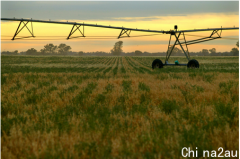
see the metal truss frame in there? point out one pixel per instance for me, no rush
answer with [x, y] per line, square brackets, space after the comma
[19, 30]
[77, 28]
[186, 43]
[124, 31]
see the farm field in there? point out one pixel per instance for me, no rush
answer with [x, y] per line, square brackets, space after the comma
[117, 107]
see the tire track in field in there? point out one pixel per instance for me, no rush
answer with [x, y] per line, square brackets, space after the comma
[87, 61]
[141, 66]
[121, 69]
[94, 68]
[140, 61]
[133, 66]
[104, 64]
[95, 62]
[136, 67]
[114, 66]
[115, 69]
[119, 66]
[145, 61]
[109, 67]
[128, 68]
[106, 69]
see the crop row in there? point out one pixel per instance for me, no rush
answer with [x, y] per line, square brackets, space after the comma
[14, 64]
[115, 107]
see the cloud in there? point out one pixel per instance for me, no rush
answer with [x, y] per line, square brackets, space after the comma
[137, 18]
[108, 10]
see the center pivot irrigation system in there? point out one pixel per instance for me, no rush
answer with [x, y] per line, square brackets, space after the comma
[157, 63]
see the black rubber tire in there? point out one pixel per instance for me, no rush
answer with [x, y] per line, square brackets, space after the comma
[193, 64]
[157, 64]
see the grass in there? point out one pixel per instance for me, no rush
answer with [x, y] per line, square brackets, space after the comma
[116, 107]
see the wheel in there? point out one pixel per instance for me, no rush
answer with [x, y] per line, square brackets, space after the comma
[193, 64]
[157, 64]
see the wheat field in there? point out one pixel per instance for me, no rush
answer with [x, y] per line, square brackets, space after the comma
[116, 107]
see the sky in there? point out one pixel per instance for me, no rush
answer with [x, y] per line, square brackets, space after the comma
[153, 15]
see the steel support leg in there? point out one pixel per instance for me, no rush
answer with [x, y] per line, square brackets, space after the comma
[73, 31]
[186, 54]
[186, 46]
[169, 52]
[19, 30]
[177, 42]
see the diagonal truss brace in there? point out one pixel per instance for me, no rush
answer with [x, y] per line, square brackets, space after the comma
[124, 31]
[186, 43]
[73, 31]
[19, 30]
[206, 38]
[177, 42]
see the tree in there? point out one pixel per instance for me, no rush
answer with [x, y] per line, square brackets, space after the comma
[117, 48]
[235, 52]
[15, 52]
[175, 51]
[49, 49]
[138, 53]
[31, 51]
[213, 51]
[63, 49]
[43, 51]
[205, 52]
[80, 53]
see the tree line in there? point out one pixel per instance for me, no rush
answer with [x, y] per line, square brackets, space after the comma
[48, 49]
[63, 49]
[117, 51]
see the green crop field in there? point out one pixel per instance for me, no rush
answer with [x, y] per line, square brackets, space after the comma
[117, 107]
